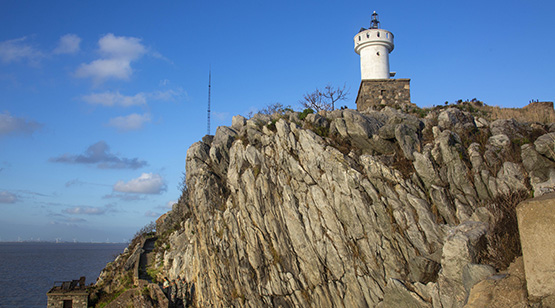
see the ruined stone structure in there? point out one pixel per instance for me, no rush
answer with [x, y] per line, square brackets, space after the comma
[382, 92]
[68, 294]
[376, 88]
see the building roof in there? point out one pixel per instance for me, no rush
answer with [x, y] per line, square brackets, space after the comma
[73, 286]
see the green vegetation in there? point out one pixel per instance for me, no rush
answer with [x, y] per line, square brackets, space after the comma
[305, 113]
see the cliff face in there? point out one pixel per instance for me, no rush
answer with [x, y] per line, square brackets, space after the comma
[344, 209]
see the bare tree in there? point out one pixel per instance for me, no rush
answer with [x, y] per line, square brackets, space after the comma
[275, 107]
[324, 100]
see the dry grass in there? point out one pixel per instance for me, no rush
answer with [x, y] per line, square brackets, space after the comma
[534, 112]
[541, 112]
[503, 241]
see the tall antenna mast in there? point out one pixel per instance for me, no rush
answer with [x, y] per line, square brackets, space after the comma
[209, 86]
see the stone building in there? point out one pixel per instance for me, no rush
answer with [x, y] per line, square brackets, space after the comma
[68, 294]
[376, 88]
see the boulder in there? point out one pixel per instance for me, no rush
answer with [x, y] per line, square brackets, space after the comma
[500, 291]
[545, 145]
[397, 295]
[536, 224]
[474, 273]
[407, 137]
[453, 118]
[238, 122]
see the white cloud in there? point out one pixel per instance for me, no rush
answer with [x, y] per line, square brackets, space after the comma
[103, 69]
[85, 210]
[17, 50]
[147, 183]
[68, 44]
[168, 95]
[99, 154]
[131, 122]
[10, 124]
[118, 52]
[111, 99]
[7, 197]
[170, 204]
[124, 197]
[74, 182]
[115, 99]
[74, 220]
[222, 116]
[152, 214]
[121, 47]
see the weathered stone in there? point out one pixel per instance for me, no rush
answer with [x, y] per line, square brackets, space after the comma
[453, 118]
[500, 141]
[317, 120]
[287, 217]
[423, 269]
[387, 131]
[474, 273]
[462, 246]
[548, 302]
[379, 93]
[397, 295]
[481, 122]
[536, 224]
[545, 145]
[500, 291]
[408, 140]
[237, 122]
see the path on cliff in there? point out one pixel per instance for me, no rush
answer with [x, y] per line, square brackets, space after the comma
[146, 258]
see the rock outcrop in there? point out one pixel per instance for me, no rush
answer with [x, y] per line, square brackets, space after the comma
[349, 209]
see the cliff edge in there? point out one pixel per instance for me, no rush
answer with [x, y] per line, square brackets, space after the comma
[350, 209]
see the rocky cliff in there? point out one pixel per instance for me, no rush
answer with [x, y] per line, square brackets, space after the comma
[349, 209]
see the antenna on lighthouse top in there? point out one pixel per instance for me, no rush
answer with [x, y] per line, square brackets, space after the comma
[209, 85]
[374, 23]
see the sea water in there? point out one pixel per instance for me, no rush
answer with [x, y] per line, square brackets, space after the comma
[29, 270]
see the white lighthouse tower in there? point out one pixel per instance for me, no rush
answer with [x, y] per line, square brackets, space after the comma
[374, 45]
[377, 88]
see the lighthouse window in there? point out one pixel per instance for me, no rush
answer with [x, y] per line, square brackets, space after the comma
[367, 35]
[359, 37]
[387, 35]
[378, 34]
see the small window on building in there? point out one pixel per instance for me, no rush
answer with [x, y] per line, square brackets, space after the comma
[367, 35]
[378, 34]
[359, 37]
[387, 35]
[68, 303]
[382, 92]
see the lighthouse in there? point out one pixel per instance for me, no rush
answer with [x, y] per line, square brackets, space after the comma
[374, 45]
[377, 88]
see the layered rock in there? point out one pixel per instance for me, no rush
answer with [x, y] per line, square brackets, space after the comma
[349, 209]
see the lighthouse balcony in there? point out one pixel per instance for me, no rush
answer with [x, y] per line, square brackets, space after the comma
[370, 36]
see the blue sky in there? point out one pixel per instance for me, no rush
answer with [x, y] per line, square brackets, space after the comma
[100, 100]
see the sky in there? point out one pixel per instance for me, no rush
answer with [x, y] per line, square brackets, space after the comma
[100, 100]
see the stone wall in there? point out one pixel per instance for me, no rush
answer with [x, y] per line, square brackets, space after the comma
[536, 224]
[79, 299]
[385, 92]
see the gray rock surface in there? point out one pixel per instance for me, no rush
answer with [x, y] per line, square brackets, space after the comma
[369, 213]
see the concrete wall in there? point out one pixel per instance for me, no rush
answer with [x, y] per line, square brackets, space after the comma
[389, 92]
[536, 225]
